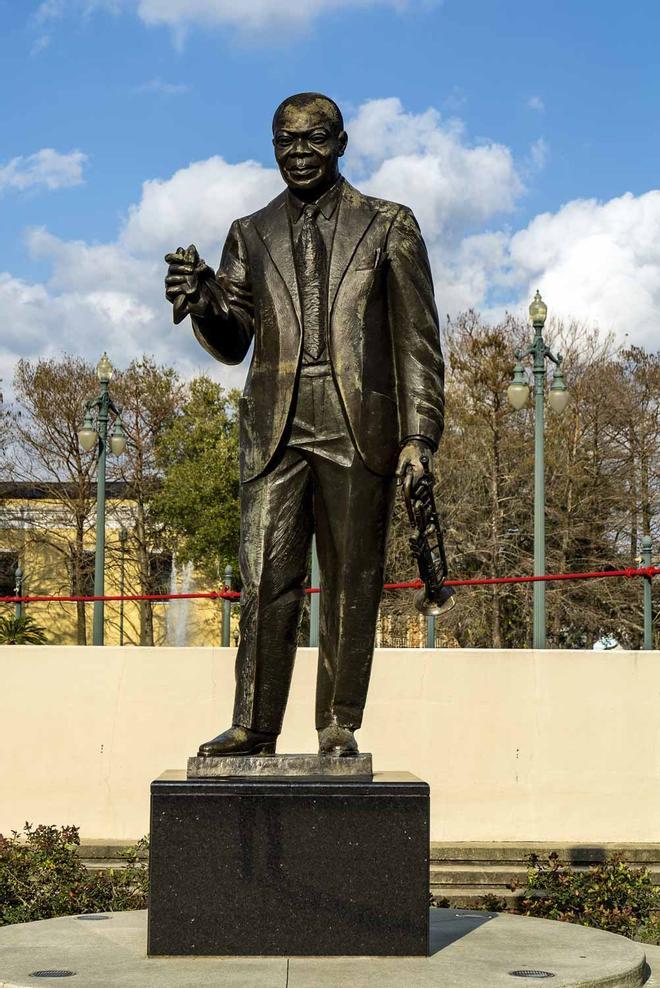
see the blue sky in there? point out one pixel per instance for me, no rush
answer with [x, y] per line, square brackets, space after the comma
[513, 129]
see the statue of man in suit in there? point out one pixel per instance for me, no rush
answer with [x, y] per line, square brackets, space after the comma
[344, 393]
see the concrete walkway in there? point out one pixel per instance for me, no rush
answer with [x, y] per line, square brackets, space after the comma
[469, 950]
[653, 961]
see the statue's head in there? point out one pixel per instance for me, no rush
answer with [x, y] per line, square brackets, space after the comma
[309, 139]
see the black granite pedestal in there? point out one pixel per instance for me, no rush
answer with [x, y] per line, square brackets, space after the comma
[248, 866]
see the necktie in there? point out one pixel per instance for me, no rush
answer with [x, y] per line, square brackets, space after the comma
[311, 267]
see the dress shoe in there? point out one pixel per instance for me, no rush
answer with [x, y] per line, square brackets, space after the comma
[336, 740]
[239, 741]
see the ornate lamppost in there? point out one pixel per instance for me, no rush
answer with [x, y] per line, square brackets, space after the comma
[558, 398]
[94, 435]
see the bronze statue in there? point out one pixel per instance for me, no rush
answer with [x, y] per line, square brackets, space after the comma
[344, 393]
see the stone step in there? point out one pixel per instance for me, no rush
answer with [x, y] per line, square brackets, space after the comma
[106, 854]
[106, 864]
[499, 875]
[90, 848]
[462, 873]
[469, 897]
[518, 852]
[476, 875]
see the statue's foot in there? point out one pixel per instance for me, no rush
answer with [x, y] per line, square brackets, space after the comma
[336, 740]
[239, 741]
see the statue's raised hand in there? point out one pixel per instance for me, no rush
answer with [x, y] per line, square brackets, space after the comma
[185, 286]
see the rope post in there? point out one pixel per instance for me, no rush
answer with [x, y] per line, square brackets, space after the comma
[226, 608]
[430, 631]
[314, 602]
[18, 590]
[647, 549]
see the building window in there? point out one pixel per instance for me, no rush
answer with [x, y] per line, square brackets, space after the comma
[86, 586]
[160, 572]
[8, 564]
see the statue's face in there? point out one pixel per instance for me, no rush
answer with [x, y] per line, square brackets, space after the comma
[307, 148]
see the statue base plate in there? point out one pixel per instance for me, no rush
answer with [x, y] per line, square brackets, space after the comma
[264, 866]
[281, 766]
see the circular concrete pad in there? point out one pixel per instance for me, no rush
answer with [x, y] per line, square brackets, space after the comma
[468, 950]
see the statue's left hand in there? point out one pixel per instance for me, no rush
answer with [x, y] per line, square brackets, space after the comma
[410, 459]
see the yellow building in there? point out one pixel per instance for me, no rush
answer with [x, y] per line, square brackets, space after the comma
[38, 532]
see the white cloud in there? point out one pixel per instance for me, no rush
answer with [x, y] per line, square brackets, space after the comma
[254, 17]
[46, 168]
[538, 154]
[111, 295]
[160, 87]
[598, 261]
[265, 19]
[198, 202]
[40, 43]
[429, 164]
[536, 103]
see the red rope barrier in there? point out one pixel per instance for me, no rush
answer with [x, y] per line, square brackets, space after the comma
[646, 571]
[71, 598]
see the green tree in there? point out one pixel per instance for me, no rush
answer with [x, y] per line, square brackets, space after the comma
[198, 503]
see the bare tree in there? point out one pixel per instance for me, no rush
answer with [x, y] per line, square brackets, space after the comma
[151, 396]
[48, 411]
[601, 461]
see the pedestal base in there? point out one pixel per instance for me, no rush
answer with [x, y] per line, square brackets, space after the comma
[280, 766]
[250, 866]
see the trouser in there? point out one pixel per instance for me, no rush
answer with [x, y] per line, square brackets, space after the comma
[318, 483]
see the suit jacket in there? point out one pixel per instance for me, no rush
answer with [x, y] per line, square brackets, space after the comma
[383, 336]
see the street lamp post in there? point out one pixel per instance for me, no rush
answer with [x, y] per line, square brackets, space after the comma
[226, 607]
[91, 437]
[314, 600]
[518, 393]
[123, 538]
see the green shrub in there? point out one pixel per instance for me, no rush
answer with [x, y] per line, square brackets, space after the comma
[41, 876]
[611, 896]
[22, 630]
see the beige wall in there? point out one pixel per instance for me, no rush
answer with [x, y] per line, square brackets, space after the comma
[517, 745]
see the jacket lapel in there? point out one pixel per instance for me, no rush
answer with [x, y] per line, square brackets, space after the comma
[355, 217]
[274, 229]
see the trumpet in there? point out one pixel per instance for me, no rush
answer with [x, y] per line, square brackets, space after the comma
[427, 545]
